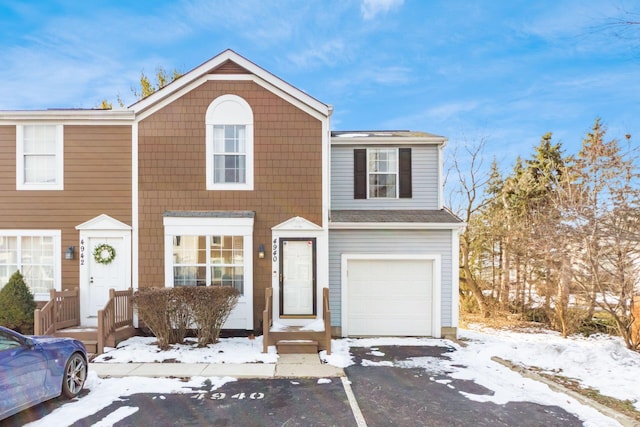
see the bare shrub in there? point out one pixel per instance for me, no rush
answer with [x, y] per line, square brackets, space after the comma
[169, 313]
[211, 309]
[152, 306]
[164, 313]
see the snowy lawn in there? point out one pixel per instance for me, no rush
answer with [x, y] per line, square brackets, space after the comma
[600, 362]
[228, 350]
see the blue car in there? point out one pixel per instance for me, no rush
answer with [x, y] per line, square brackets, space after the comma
[34, 369]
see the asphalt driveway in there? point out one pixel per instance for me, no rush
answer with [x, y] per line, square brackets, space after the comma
[387, 392]
[395, 396]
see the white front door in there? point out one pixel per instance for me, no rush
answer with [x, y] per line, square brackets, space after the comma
[103, 277]
[297, 277]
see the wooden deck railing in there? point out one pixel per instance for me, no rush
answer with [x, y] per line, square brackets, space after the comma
[267, 318]
[61, 311]
[267, 322]
[326, 313]
[117, 313]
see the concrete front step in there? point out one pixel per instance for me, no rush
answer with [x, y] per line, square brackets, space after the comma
[297, 347]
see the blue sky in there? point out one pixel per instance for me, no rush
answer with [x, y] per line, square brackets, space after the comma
[506, 71]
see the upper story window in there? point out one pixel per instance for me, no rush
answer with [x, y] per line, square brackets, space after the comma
[382, 173]
[229, 142]
[39, 157]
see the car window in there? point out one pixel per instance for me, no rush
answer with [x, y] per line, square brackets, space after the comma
[8, 341]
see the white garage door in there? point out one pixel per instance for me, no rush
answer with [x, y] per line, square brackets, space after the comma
[389, 297]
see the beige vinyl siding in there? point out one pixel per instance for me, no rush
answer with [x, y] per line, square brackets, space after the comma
[424, 160]
[388, 242]
[7, 160]
[97, 180]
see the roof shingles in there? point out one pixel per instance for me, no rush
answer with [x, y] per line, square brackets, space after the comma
[442, 216]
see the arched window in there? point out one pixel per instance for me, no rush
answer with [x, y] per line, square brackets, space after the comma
[229, 144]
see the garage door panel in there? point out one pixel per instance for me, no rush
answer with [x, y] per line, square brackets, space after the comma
[392, 307]
[387, 288]
[389, 297]
[366, 326]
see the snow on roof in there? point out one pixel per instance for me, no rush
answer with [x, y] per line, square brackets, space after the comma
[383, 134]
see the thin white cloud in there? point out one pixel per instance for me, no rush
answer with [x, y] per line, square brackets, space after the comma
[371, 8]
[437, 118]
[365, 77]
[329, 53]
[263, 23]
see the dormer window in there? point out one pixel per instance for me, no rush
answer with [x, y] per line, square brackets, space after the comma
[229, 139]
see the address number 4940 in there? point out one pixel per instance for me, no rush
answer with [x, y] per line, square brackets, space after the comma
[240, 396]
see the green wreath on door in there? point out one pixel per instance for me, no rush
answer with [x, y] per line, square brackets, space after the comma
[104, 253]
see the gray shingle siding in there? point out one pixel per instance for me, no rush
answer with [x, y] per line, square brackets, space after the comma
[388, 242]
[425, 181]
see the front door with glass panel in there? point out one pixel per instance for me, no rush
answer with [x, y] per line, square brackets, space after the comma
[297, 277]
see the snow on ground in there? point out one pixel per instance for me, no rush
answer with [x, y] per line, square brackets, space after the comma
[600, 362]
[104, 391]
[228, 350]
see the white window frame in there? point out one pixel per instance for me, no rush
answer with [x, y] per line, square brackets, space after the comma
[397, 172]
[196, 226]
[209, 263]
[242, 315]
[20, 160]
[229, 110]
[57, 255]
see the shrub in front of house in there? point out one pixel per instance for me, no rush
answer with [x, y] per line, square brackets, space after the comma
[170, 313]
[17, 305]
[162, 314]
[211, 307]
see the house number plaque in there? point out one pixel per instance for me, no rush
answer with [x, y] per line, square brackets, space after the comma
[82, 252]
[275, 250]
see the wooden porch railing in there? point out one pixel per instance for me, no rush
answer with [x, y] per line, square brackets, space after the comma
[62, 311]
[117, 313]
[267, 318]
[326, 313]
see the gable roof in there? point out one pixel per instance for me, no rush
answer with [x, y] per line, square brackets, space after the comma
[297, 223]
[224, 64]
[103, 222]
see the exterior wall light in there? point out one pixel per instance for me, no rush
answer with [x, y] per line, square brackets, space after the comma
[261, 251]
[69, 252]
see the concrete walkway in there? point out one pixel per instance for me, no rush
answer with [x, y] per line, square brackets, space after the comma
[287, 366]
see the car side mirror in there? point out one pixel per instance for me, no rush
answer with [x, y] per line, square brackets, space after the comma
[29, 343]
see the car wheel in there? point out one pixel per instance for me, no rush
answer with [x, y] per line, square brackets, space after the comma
[75, 373]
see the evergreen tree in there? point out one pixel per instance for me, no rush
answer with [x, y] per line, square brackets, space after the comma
[17, 305]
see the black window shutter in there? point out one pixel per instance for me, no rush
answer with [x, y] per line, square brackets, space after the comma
[360, 174]
[405, 172]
